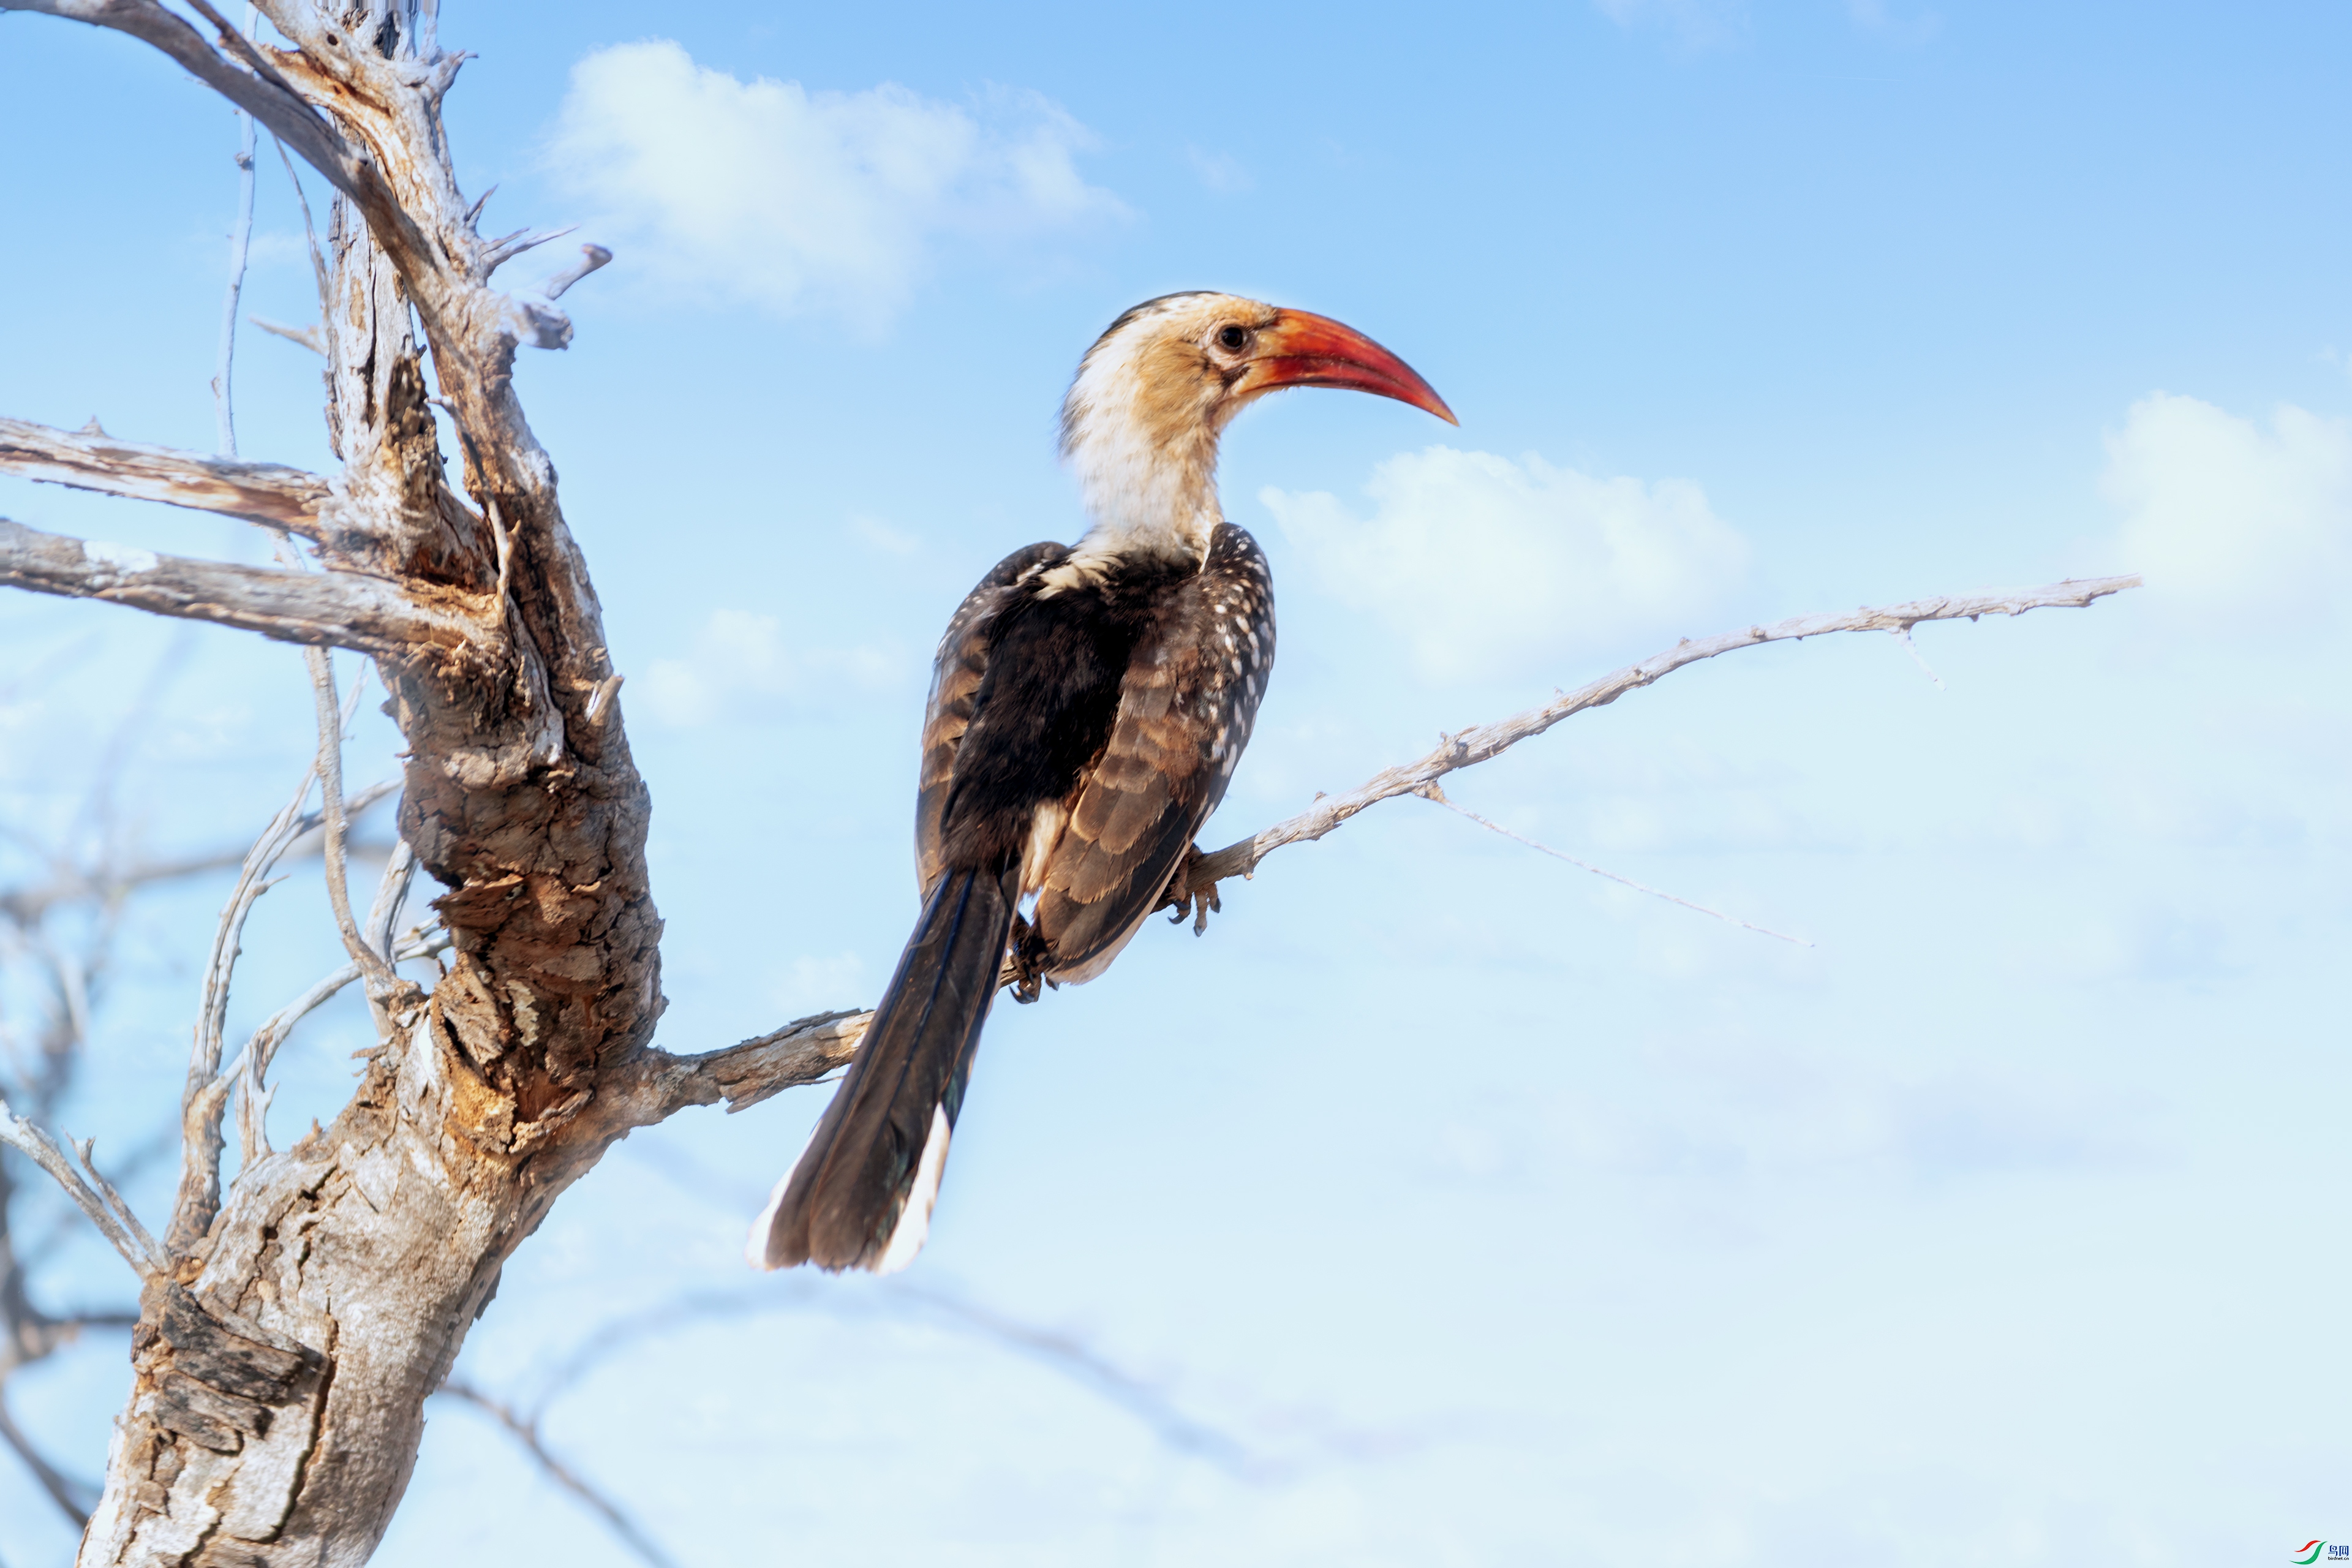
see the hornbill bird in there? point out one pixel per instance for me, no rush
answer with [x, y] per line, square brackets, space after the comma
[1087, 706]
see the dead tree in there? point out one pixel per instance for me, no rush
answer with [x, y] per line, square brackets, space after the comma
[290, 1330]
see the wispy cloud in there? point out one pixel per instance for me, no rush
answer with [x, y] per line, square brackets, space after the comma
[742, 666]
[1876, 16]
[1485, 566]
[815, 982]
[1702, 24]
[879, 536]
[2230, 522]
[793, 201]
[1220, 172]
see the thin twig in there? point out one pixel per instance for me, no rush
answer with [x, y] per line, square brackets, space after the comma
[158, 1145]
[202, 1101]
[526, 1433]
[308, 337]
[382, 981]
[1437, 794]
[1903, 635]
[251, 1065]
[1059, 1351]
[390, 895]
[591, 257]
[36, 1144]
[62, 1488]
[309, 229]
[240, 240]
[86, 1151]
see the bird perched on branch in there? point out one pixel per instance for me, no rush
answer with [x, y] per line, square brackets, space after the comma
[1087, 706]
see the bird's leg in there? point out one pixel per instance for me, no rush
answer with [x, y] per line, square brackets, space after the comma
[1024, 960]
[1184, 898]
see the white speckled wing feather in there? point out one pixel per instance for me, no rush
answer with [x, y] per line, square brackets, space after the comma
[1184, 715]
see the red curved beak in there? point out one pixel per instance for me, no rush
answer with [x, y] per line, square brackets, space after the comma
[1302, 349]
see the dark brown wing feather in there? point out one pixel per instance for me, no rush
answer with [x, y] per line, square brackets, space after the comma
[1184, 714]
[956, 675]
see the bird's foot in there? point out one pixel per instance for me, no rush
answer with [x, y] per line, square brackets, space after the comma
[1183, 898]
[1024, 961]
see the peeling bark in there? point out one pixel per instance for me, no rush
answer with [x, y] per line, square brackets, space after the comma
[283, 1360]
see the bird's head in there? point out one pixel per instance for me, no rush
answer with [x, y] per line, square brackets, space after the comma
[1142, 419]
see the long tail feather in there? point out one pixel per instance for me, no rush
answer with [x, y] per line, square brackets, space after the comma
[861, 1194]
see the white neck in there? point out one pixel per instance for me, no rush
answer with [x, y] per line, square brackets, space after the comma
[1142, 500]
[1146, 467]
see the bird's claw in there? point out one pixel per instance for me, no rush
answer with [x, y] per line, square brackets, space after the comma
[1024, 961]
[1184, 898]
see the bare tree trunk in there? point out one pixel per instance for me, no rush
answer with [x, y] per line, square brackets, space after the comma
[287, 1342]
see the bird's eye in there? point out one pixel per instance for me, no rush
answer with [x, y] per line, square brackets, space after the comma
[1232, 339]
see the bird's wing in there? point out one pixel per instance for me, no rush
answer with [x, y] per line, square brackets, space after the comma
[956, 675]
[1184, 714]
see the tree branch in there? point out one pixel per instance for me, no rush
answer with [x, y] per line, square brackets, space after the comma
[339, 609]
[267, 493]
[240, 240]
[526, 1433]
[252, 1064]
[92, 1194]
[803, 1051]
[1060, 1351]
[382, 982]
[1486, 742]
[62, 1490]
[206, 1093]
[253, 84]
[26, 906]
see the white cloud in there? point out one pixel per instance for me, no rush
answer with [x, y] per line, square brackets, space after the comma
[741, 665]
[2230, 522]
[876, 534]
[790, 200]
[1486, 566]
[818, 983]
[1873, 17]
[1219, 172]
[1698, 23]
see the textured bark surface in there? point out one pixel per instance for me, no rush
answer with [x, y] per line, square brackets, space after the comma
[287, 1341]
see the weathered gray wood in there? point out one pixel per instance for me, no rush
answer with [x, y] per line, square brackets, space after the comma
[90, 460]
[342, 609]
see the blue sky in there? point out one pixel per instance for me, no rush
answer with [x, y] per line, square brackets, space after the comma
[1499, 1214]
